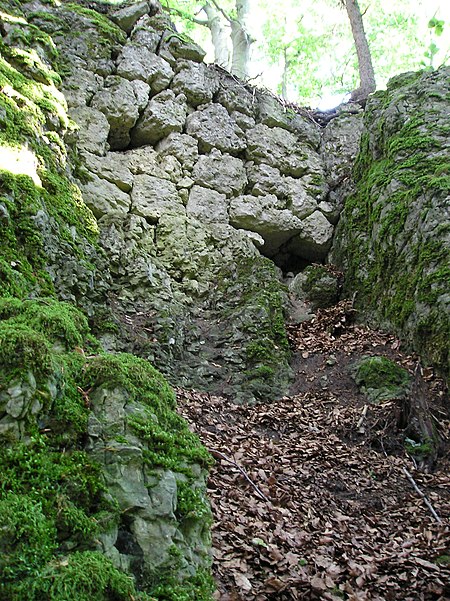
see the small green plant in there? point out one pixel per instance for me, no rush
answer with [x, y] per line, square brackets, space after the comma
[164, 587]
[436, 27]
[419, 449]
[85, 576]
[443, 560]
[191, 503]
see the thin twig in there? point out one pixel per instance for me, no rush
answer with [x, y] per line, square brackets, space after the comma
[220, 9]
[220, 455]
[383, 449]
[419, 492]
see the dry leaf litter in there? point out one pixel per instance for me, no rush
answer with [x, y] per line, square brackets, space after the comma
[309, 493]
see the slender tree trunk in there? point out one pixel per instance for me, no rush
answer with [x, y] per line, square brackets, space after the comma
[366, 72]
[241, 40]
[219, 36]
[284, 76]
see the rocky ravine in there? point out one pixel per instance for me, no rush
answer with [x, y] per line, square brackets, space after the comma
[149, 204]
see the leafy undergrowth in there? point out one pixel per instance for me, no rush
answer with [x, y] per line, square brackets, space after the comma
[309, 493]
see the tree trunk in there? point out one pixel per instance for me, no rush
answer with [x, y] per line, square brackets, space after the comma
[284, 76]
[219, 36]
[241, 40]
[366, 72]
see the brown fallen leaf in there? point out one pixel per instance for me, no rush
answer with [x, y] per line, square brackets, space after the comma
[242, 581]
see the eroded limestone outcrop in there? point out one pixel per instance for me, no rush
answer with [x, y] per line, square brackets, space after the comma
[393, 239]
[192, 176]
[161, 209]
[103, 484]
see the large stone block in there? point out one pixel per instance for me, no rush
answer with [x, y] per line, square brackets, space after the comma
[152, 197]
[126, 17]
[220, 172]
[145, 160]
[179, 47]
[182, 147]
[214, 128]
[104, 197]
[266, 216]
[273, 113]
[80, 87]
[93, 129]
[119, 103]
[165, 113]
[236, 96]
[208, 206]
[110, 167]
[197, 81]
[314, 239]
[281, 149]
[138, 62]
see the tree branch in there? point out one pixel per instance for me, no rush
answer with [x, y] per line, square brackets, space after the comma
[220, 9]
[218, 454]
[186, 16]
[421, 494]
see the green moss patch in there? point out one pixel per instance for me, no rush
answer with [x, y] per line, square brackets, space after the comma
[194, 588]
[171, 444]
[60, 322]
[41, 358]
[51, 502]
[254, 298]
[85, 576]
[109, 30]
[60, 488]
[37, 200]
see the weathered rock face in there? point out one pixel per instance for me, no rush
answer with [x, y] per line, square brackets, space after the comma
[97, 438]
[393, 240]
[162, 215]
[101, 479]
[191, 177]
[264, 158]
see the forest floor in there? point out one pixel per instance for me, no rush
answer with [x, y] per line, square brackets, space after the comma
[314, 495]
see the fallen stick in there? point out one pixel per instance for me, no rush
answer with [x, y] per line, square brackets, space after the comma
[359, 425]
[220, 455]
[420, 493]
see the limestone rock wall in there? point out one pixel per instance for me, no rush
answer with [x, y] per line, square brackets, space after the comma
[163, 208]
[393, 240]
[193, 178]
[103, 485]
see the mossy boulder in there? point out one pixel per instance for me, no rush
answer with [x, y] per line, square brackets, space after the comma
[381, 379]
[318, 285]
[88, 438]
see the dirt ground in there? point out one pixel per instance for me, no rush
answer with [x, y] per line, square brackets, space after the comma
[314, 495]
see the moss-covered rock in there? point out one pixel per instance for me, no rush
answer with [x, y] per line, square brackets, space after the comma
[252, 314]
[69, 412]
[381, 379]
[392, 240]
[48, 241]
[88, 438]
[319, 285]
